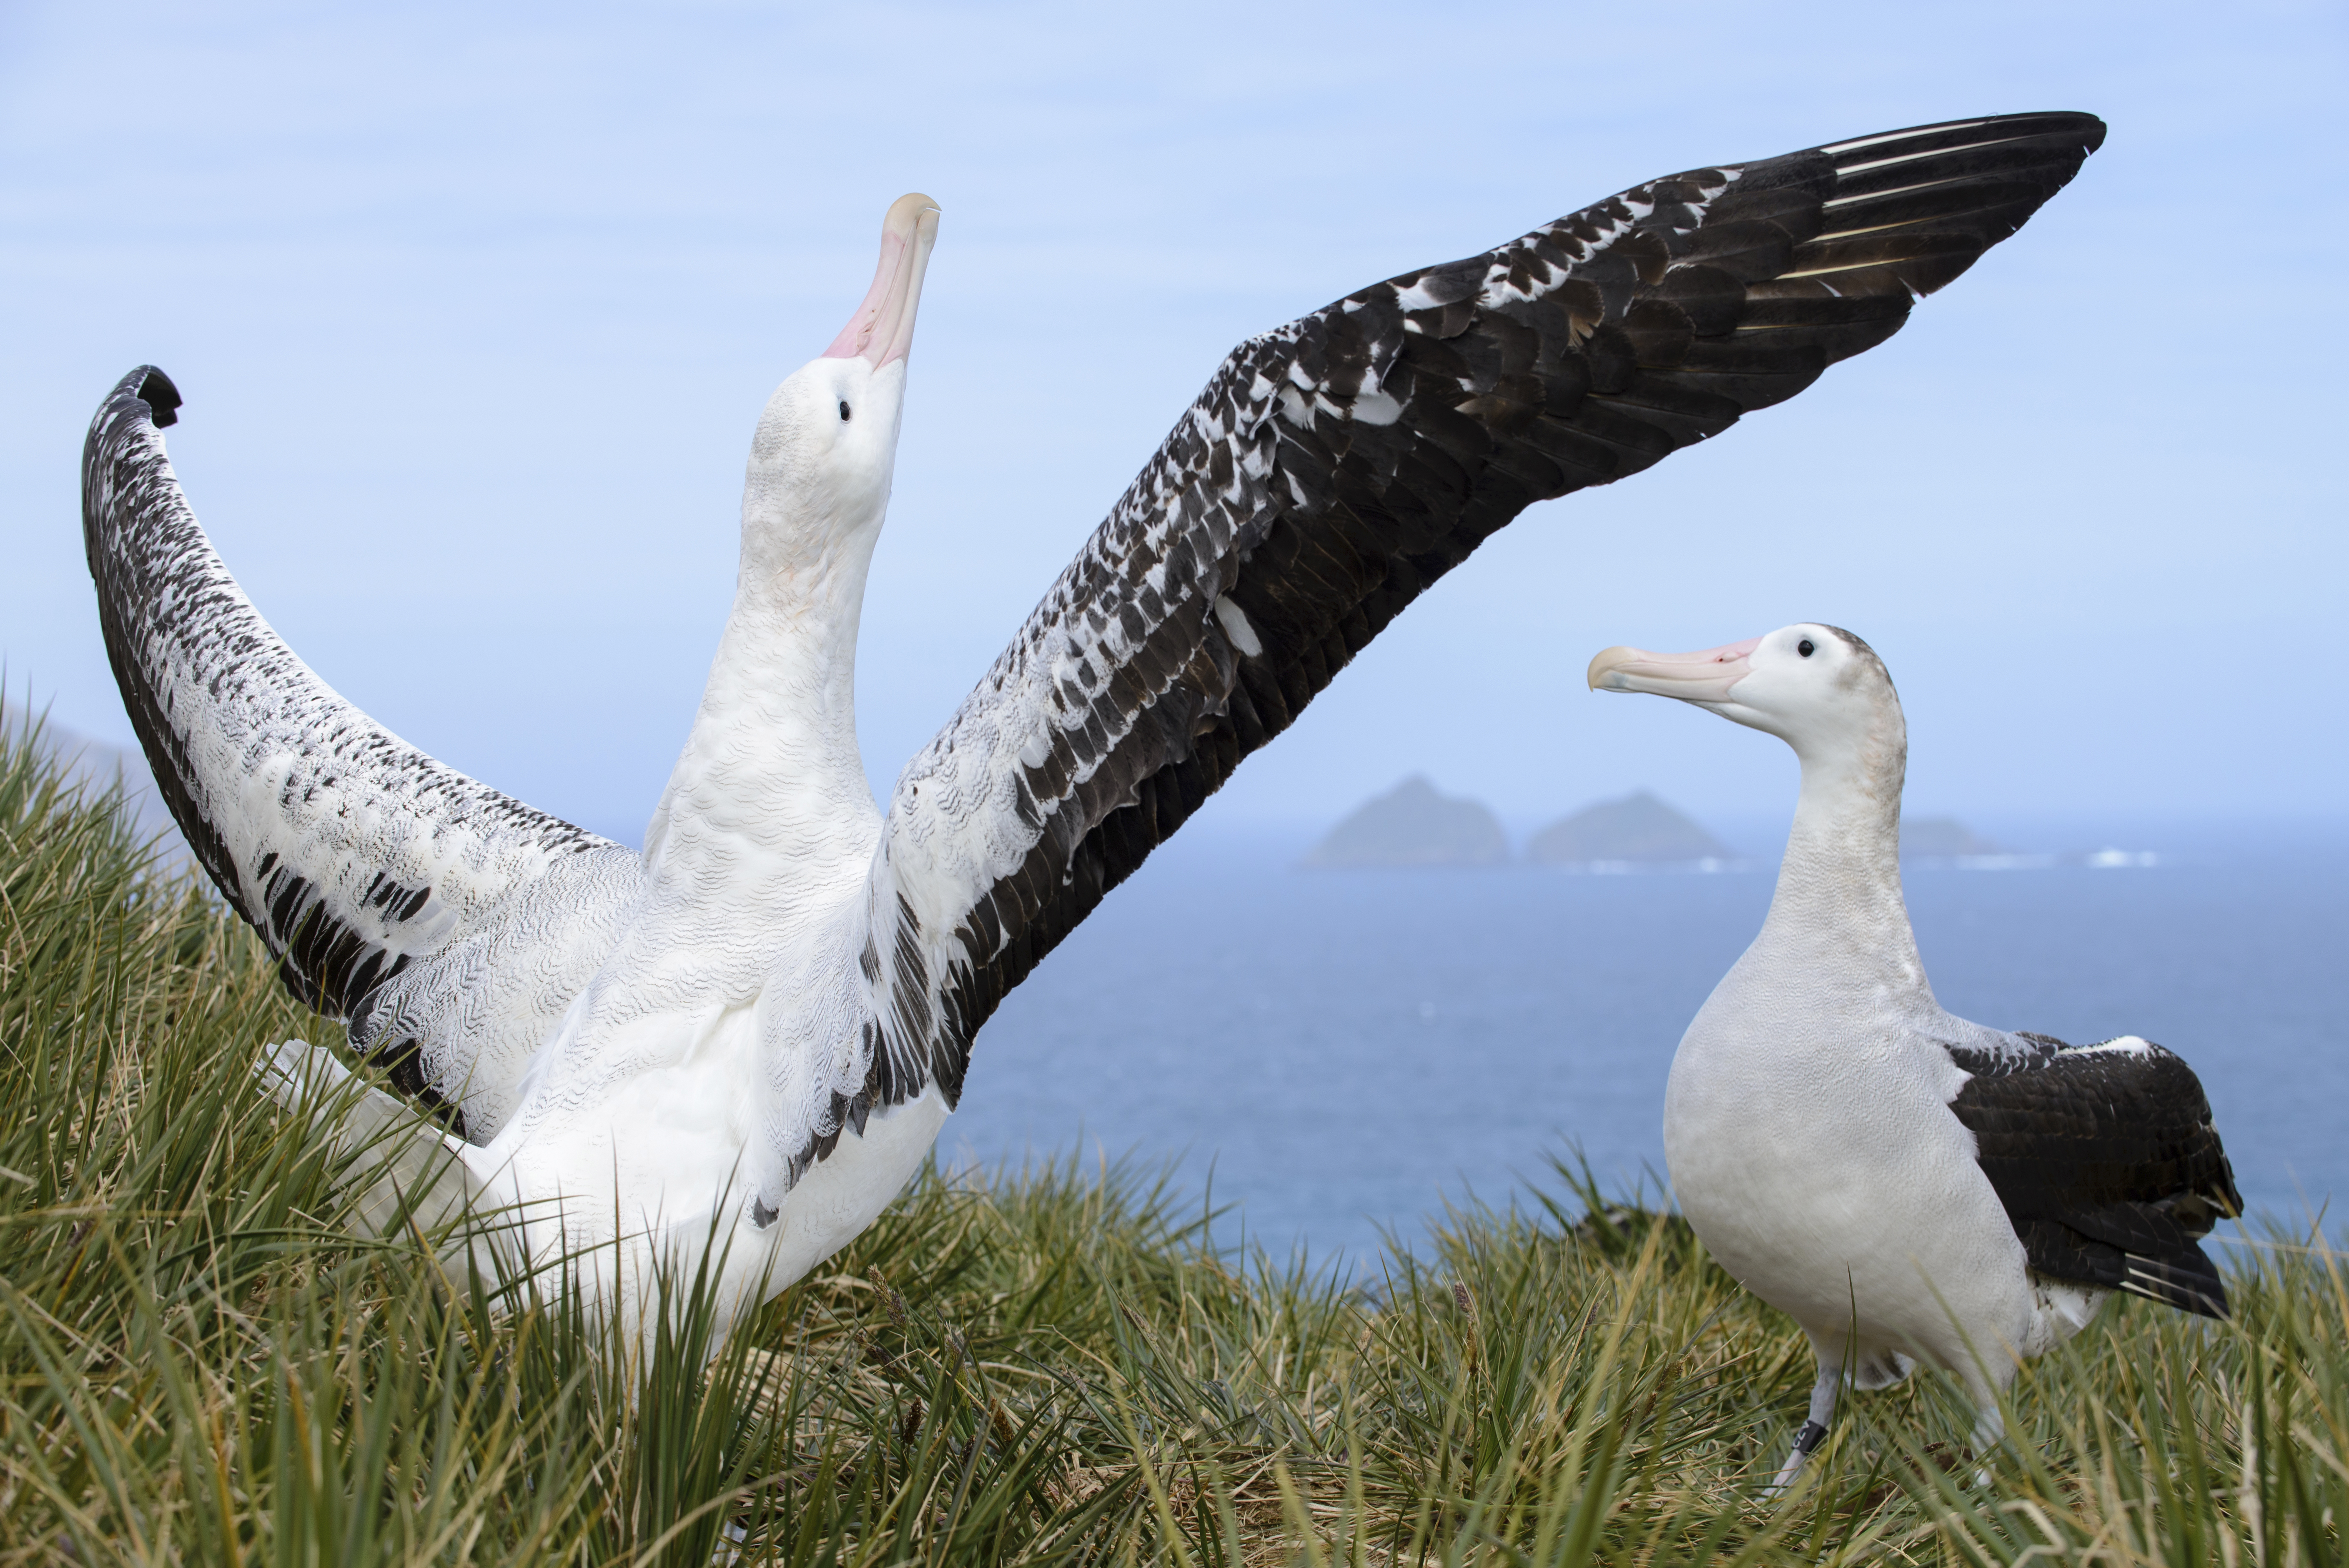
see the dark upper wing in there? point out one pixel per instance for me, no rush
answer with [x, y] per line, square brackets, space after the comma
[2108, 1163]
[353, 853]
[1335, 468]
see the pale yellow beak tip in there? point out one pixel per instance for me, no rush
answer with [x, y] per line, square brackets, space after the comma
[910, 214]
[1603, 663]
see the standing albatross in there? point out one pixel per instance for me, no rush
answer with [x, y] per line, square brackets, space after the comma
[1900, 1182]
[748, 1034]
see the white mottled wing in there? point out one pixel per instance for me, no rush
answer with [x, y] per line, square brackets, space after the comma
[363, 864]
[1330, 472]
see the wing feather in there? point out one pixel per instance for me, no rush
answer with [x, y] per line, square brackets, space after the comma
[356, 857]
[2108, 1163]
[1335, 468]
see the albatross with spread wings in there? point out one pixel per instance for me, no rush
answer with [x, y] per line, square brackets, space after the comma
[749, 1035]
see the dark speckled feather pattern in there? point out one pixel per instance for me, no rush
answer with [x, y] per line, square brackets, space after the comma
[2107, 1160]
[355, 856]
[1335, 468]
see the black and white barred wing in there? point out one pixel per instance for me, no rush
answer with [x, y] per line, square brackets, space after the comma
[1333, 469]
[2107, 1162]
[355, 856]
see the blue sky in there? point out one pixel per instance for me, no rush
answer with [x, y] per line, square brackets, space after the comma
[475, 312]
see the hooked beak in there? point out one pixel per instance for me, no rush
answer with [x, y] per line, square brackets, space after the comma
[1703, 677]
[882, 327]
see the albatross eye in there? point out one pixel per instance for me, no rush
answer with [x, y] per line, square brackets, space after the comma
[1804, 647]
[843, 413]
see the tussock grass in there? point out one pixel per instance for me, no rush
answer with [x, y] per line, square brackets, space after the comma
[1053, 1364]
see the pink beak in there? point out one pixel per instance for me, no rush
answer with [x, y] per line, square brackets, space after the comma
[882, 327]
[1692, 677]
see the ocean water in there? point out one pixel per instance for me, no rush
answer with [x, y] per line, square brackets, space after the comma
[1338, 1055]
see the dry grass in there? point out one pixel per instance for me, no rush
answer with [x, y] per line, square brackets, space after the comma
[201, 1365]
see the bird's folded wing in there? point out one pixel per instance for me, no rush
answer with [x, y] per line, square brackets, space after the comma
[2106, 1161]
[353, 854]
[1335, 468]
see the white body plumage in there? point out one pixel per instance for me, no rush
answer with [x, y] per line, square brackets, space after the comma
[1808, 1133]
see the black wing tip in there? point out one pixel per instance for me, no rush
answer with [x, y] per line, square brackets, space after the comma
[148, 385]
[161, 398]
[2090, 127]
[2062, 124]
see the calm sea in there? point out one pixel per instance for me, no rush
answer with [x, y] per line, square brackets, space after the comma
[1342, 1053]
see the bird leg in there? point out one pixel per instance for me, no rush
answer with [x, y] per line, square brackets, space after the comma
[1814, 1430]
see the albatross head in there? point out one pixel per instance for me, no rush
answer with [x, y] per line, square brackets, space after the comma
[1817, 687]
[827, 443]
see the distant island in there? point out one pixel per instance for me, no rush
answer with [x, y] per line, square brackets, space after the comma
[1415, 824]
[1638, 828]
[1412, 825]
[1942, 838]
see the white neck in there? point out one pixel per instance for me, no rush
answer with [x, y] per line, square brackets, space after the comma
[772, 771]
[1839, 901]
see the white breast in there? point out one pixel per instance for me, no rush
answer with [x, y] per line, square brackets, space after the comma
[1812, 1148]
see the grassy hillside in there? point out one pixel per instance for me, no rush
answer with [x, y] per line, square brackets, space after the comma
[201, 1366]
